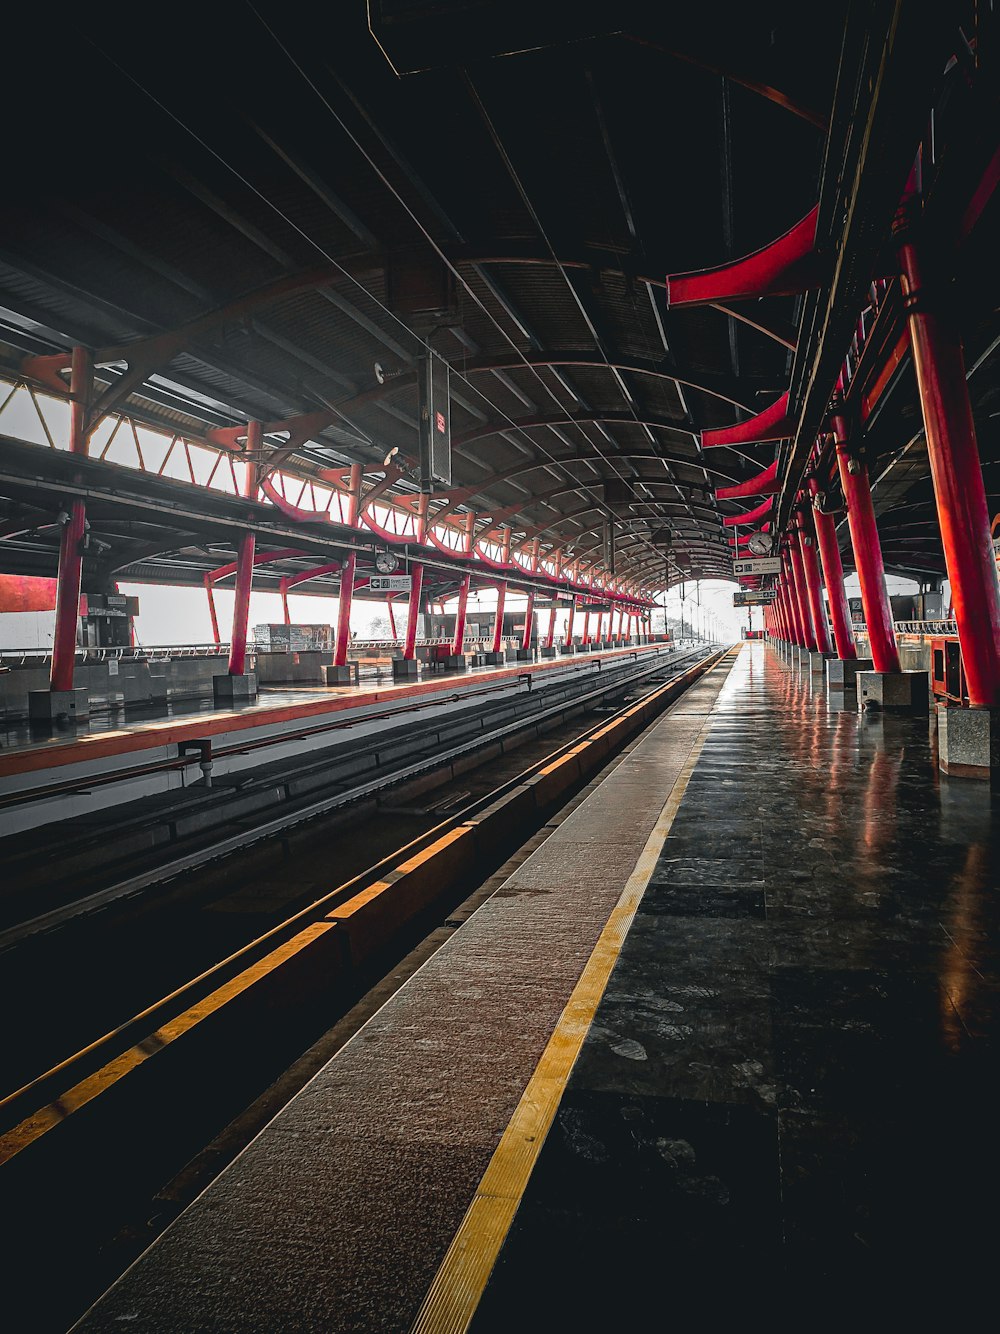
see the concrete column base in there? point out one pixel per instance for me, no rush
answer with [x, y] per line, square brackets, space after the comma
[493, 659]
[969, 742]
[565, 650]
[893, 692]
[455, 662]
[345, 675]
[549, 651]
[817, 662]
[405, 669]
[228, 689]
[842, 673]
[48, 706]
[525, 654]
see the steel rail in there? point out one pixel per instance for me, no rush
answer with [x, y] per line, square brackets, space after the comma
[31, 1097]
[86, 783]
[239, 842]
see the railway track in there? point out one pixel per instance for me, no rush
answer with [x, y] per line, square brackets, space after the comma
[110, 1122]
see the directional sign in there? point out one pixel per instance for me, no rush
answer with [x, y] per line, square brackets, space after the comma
[764, 565]
[762, 599]
[389, 583]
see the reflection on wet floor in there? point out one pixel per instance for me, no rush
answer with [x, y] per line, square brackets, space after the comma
[790, 1079]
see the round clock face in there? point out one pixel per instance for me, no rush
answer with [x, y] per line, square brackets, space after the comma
[385, 562]
[760, 544]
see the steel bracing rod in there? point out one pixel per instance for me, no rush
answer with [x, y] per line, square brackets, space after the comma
[956, 472]
[867, 550]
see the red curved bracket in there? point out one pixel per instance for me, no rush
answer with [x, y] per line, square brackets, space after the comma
[786, 267]
[331, 567]
[751, 516]
[292, 511]
[260, 558]
[764, 484]
[772, 424]
[742, 541]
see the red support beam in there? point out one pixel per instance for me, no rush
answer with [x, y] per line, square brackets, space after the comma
[569, 622]
[833, 575]
[529, 615]
[463, 606]
[814, 586]
[344, 610]
[413, 610]
[552, 627]
[867, 551]
[241, 606]
[498, 618]
[71, 539]
[956, 472]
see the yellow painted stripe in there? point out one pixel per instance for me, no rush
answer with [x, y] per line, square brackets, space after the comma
[459, 1284]
[46, 1118]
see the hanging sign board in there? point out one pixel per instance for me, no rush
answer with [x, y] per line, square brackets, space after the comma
[763, 599]
[389, 583]
[762, 565]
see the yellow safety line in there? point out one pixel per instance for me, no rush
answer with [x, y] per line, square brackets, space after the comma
[459, 1283]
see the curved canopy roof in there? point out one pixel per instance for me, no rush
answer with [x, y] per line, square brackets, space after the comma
[273, 214]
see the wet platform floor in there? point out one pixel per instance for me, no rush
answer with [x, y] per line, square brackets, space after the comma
[786, 1103]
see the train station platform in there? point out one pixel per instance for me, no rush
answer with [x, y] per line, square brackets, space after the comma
[723, 1043]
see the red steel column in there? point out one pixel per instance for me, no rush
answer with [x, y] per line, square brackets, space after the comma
[833, 575]
[585, 638]
[814, 587]
[498, 619]
[529, 615]
[790, 611]
[801, 596]
[344, 610]
[70, 571]
[463, 604]
[569, 622]
[283, 590]
[416, 588]
[867, 552]
[780, 605]
[392, 617]
[244, 562]
[786, 619]
[956, 472]
[241, 607]
[552, 627]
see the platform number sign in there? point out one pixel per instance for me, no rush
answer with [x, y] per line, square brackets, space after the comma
[435, 423]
